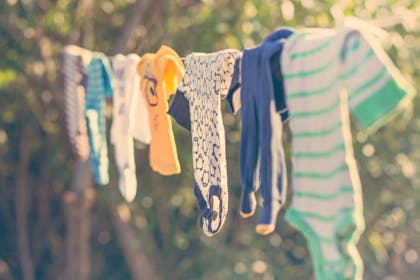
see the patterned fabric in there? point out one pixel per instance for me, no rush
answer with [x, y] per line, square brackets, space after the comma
[180, 110]
[99, 87]
[262, 162]
[124, 121]
[73, 70]
[234, 94]
[160, 74]
[180, 107]
[329, 73]
[206, 81]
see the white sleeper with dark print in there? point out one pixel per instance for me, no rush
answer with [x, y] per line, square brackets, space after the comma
[125, 100]
[206, 81]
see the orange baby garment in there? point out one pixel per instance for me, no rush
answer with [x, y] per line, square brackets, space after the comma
[160, 74]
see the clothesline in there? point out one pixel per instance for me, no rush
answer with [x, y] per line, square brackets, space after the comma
[377, 24]
[311, 77]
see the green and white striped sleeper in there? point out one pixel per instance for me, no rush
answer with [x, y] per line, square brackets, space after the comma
[329, 73]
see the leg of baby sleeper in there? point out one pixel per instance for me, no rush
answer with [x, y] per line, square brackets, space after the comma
[93, 132]
[124, 155]
[215, 202]
[210, 186]
[103, 166]
[328, 262]
[209, 163]
[348, 233]
[211, 213]
[248, 200]
[82, 136]
[355, 263]
[249, 159]
[75, 105]
[272, 168]
[350, 229]
[98, 146]
[344, 232]
[202, 204]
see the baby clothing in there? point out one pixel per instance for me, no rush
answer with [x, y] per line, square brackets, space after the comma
[234, 94]
[125, 121]
[140, 126]
[180, 107]
[75, 60]
[160, 74]
[206, 81]
[180, 110]
[262, 161]
[327, 74]
[99, 87]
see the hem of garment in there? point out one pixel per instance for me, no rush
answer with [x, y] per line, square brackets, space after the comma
[401, 97]
[164, 170]
[292, 216]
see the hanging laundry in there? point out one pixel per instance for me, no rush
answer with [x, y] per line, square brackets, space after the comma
[206, 81]
[99, 87]
[141, 123]
[160, 74]
[127, 118]
[262, 162]
[180, 107]
[75, 60]
[180, 110]
[234, 94]
[327, 74]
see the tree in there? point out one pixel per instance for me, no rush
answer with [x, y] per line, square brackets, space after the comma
[45, 211]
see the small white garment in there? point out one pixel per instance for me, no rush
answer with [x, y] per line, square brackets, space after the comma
[130, 119]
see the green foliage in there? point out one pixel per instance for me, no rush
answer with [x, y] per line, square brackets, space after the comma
[7, 77]
[165, 215]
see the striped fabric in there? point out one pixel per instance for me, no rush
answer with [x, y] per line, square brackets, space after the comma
[329, 74]
[73, 70]
[99, 86]
[124, 121]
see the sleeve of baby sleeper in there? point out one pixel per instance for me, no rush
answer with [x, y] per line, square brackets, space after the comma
[233, 97]
[172, 69]
[180, 110]
[375, 86]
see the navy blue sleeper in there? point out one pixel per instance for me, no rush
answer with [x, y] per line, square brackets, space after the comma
[262, 162]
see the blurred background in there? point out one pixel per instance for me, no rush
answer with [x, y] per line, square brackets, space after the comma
[54, 224]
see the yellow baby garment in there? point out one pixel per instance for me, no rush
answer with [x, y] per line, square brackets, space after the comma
[160, 74]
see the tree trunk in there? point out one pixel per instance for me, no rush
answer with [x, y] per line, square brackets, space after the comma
[133, 19]
[78, 202]
[21, 210]
[139, 264]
